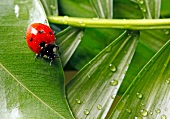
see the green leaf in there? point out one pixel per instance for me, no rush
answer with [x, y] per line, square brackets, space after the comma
[93, 41]
[50, 6]
[165, 13]
[150, 8]
[76, 8]
[68, 40]
[92, 91]
[148, 95]
[150, 41]
[123, 9]
[29, 88]
[103, 8]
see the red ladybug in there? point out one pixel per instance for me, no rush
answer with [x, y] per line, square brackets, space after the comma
[40, 39]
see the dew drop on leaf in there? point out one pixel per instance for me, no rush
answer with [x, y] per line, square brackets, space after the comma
[144, 112]
[138, 117]
[151, 113]
[113, 96]
[66, 17]
[99, 107]
[167, 81]
[52, 7]
[141, 2]
[86, 112]
[143, 9]
[128, 111]
[64, 21]
[78, 101]
[95, 19]
[158, 111]
[166, 109]
[142, 104]
[88, 76]
[139, 95]
[113, 82]
[166, 32]
[82, 23]
[163, 117]
[112, 67]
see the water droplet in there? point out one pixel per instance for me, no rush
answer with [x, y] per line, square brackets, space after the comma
[138, 118]
[141, 1]
[82, 23]
[113, 82]
[113, 96]
[151, 113]
[95, 18]
[144, 112]
[99, 107]
[88, 76]
[139, 95]
[128, 111]
[78, 101]
[163, 117]
[167, 81]
[64, 21]
[142, 104]
[53, 7]
[143, 9]
[166, 109]
[112, 67]
[165, 65]
[86, 112]
[158, 111]
[166, 32]
[66, 17]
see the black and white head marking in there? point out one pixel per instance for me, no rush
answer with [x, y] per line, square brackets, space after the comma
[48, 51]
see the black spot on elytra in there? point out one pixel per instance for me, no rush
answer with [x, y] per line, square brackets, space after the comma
[41, 31]
[31, 39]
[50, 33]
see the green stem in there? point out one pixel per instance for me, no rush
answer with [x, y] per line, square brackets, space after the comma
[134, 24]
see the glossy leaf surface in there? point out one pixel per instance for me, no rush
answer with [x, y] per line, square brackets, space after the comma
[150, 41]
[68, 40]
[29, 88]
[148, 95]
[103, 8]
[93, 89]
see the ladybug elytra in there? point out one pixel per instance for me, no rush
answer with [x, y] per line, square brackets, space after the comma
[40, 39]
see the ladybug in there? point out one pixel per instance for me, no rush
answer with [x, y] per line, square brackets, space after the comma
[40, 39]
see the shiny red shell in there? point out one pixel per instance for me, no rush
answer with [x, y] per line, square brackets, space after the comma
[37, 33]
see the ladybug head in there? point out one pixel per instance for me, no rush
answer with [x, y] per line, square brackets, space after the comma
[48, 51]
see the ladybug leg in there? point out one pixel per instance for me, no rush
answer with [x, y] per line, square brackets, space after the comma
[51, 62]
[58, 49]
[37, 55]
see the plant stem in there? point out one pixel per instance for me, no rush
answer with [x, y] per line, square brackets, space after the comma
[134, 24]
